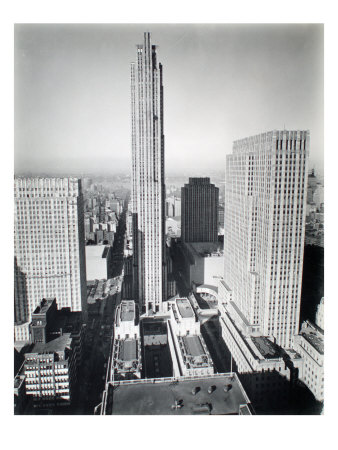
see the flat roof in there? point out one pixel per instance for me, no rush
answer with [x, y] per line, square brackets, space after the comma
[127, 310]
[158, 396]
[56, 345]
[128, 350]
[184, 307]
[267, 348]
[315, 340]
[193, 345]
[205, 247]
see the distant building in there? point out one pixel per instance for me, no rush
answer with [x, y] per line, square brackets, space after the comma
[48, 246]
[310, 345]
[221, 216]
[199, 211]
[172, 227]
[173, 207]
[202, 262]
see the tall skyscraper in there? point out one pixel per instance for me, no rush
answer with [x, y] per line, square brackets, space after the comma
[265, 207]
[49, 254]
[148, 190]
[199, 211]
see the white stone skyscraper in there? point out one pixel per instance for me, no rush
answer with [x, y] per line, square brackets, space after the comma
[148, 190]
[49, 254]
[265, 207]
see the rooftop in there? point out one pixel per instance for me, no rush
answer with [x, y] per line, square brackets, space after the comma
[204, 249]
[267, 348]
[193, 345]
[188, 395]
[44, 306]
[184, 307]
[315, 339]
[126, 355]
[128, 349]
[127, 310]
[58, 344]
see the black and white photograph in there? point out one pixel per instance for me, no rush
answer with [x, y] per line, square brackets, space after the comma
[168, 219]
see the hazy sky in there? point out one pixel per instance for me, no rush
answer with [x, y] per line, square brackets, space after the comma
[221, 83]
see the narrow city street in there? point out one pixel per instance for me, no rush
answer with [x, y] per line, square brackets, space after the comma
[97, 345]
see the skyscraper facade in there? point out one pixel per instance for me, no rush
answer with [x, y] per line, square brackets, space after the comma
[199, 211]
[49, 254]
[148, 189]
[265, 207]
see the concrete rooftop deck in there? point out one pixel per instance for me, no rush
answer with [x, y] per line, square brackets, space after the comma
[127, 310]
[184, 307]
[193, 345]
[149, 397]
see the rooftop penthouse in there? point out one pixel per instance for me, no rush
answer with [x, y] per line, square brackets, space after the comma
[183, 319]
[215, 394]
[126, 320]
[125, 312]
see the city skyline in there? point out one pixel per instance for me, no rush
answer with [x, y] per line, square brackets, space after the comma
[182, 317]
[223, 82]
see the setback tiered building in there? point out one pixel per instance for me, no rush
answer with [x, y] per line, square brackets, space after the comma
[265, 207]
[148, 189]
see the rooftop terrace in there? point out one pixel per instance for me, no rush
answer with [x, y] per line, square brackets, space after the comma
[129, 349]
[193, 345]
[126, 355]
[267, 348]
[216, 394]
[194, 351]
[184, 307]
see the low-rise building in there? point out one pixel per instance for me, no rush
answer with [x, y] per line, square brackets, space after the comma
[51, 365]
[189, 348]
[125, 360]
[309, 343]
[251, 351]
[203, 262]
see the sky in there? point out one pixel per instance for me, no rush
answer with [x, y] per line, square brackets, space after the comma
[221, 83]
